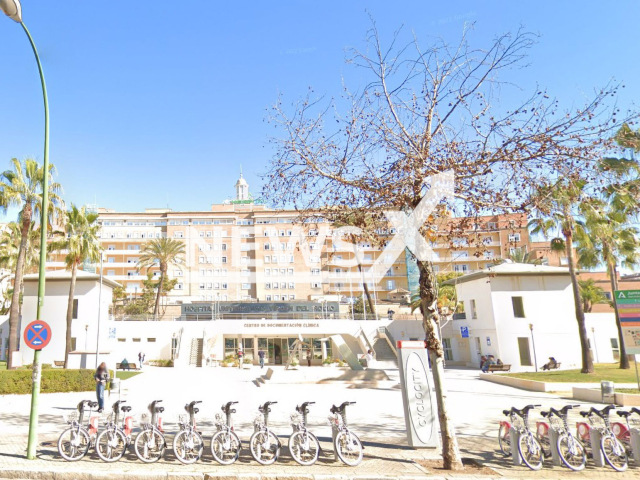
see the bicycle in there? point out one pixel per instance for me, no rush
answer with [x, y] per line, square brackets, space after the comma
[529, 448]
[225, 443]
[74, 442]
[113, 441]
[613, 450]
[504, 437]
[188, 444]
[150, 443]
[570, 450]
[346, 444]
[622, 431]
[303, 444]
[264, 444]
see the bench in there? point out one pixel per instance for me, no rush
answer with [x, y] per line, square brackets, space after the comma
[132, 366]
[499, 368]
[58, 363]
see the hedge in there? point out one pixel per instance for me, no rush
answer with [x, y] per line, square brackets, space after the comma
[18, 382]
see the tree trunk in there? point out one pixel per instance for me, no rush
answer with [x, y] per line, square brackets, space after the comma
[429, 300]
[613, 278]
[72, 288]
[587, 360]
[365, 288]
[160, 284]
[14, 313]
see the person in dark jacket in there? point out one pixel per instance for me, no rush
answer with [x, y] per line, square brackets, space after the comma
[101, 377]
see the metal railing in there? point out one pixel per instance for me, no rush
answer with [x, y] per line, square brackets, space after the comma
[250, 316]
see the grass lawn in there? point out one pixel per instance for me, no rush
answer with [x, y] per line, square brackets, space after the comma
[604, 371]
[125, 375]
[635, 391]
[3, 365]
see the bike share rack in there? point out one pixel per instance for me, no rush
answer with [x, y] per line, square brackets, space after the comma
[334, 434]
[596, 450]
[635, 444]
[514, 435]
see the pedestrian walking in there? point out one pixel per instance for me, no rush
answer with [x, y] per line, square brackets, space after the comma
[101, 377]
[369, 358]
[261, 357]
[390, 314]
[308, 356]
[140, 359]
[240, 356]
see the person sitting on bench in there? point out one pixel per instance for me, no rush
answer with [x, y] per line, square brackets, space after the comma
[490, 361]
[124, 365]
[551, 364]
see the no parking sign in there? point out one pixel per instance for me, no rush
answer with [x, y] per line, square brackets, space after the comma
[37, 335]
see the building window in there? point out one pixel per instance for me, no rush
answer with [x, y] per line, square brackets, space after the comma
[315, 271]
[564, 261]
[474, 312]
[179, 286]
[135, 339]
[267, 246]
[518, 307]
[316, 285]
[177, 273]
[448, 352]
[151, 340]
[267, 259]
[462, 268]
[268, 297]
[615, 349]
[75, 309]
[122, 339]
[178, 234]
[514, 237]
[525, 352]
[111, 273]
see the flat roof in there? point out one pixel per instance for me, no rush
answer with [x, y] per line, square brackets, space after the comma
[64, 275]
[510, 269]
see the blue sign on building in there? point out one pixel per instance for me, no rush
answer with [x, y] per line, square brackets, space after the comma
[464, 332]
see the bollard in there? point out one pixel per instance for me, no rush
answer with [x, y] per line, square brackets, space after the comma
[635, 444]
[596, 450]
[553, 440]
[514, 435]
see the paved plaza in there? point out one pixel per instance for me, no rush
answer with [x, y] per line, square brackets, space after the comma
[377, 418]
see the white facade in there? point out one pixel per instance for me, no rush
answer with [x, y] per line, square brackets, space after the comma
[510, 308]
[84, 327]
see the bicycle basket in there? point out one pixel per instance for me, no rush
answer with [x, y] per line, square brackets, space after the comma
[556, 423]
[70, 417]
[296, 419]
[145, 418]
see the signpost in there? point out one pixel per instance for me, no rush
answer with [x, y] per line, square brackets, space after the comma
[464, 332]
[628, 306]
[420, 411]
[37, 335]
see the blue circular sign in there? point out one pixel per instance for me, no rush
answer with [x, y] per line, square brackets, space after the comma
[37, 334]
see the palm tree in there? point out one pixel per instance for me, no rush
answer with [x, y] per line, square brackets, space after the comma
[9, 250]
[591, 294]
[520, 255]
[608, 238]
[81, 244]
[559, 207]
[22, 187]
[161, 252]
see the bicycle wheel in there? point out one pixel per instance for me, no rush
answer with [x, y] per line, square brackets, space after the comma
[73, 443]
[530, 451]
[614, 453]
[504, 440]
[348, 448]
[265, 447]
[188, 446]
[111, 445]
[225, 447]
[572, 452]
[149, 445]
[304, 447]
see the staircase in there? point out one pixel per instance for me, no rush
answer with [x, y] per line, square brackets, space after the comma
[195, 355]
[385, 356]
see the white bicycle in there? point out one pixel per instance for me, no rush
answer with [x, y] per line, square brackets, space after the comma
[346, 444]
[225, 443]
[264, 444]
[303, 444]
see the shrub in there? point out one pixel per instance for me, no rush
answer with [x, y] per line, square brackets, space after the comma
[247, 360]
[327, 361]
[18, 382]
[161, 363]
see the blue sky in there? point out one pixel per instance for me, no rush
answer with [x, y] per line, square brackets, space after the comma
[158, 102]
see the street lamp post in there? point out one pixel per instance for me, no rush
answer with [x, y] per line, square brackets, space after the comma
[13, 9]
[533, 342]
[99, 310]
[595, 345]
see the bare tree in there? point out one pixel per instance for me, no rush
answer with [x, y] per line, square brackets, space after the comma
[425, 112]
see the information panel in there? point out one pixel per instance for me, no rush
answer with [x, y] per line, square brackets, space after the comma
[628, 303]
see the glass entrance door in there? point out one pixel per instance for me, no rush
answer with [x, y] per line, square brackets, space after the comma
[275, 350]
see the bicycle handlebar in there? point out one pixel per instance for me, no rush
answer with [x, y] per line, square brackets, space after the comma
[303, 408]
[227, 408]
[524, 411]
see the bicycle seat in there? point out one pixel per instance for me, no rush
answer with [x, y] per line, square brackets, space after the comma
[563, 411]
[545, 414]
[126, 409]
[93, 404]
[635, 410]
[159, 409]
[504, 412]
[604, 412]
[524, 411]
[196, 410]
[624, 414]
[584, 414]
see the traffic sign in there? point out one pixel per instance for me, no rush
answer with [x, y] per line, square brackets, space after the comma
[464, 332]
[628, 303]
[37, 335]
